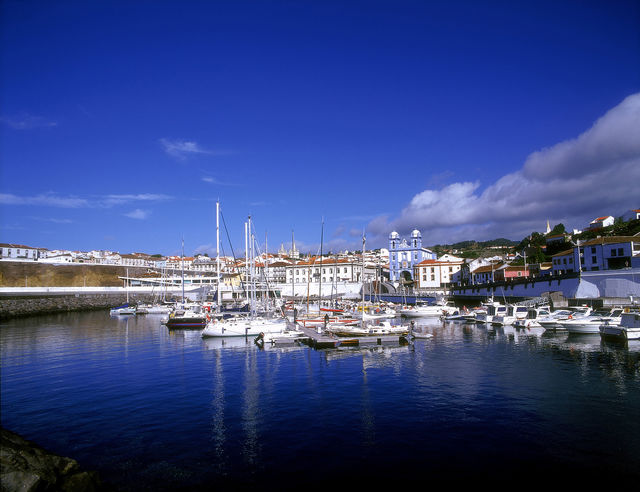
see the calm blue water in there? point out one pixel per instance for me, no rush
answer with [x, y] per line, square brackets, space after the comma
[159, 410]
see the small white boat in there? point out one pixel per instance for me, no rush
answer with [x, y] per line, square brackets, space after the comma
[420, 310]
[125, 309]
[627, 329]
[492, 309]
[510, 316]
[533, 317]
[365, 329]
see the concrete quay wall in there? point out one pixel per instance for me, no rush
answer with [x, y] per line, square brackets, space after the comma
[20, 304]
[606, 287]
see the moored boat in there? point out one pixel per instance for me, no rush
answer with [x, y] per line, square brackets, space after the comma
[627, 329]
[591, 324]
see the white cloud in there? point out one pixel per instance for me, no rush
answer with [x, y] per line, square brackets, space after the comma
[46, 199]
[26, 121]
[138, 214]
[181, 149]
[595, 174]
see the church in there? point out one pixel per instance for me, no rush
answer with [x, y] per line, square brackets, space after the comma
[403, 255]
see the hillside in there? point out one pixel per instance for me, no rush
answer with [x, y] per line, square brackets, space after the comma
[32, 274]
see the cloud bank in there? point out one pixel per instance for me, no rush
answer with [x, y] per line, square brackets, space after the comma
[574, 181]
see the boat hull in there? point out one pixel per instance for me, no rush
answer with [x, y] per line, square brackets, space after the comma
[243, 328]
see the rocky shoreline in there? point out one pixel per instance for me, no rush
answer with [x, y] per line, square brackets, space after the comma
[28, 467]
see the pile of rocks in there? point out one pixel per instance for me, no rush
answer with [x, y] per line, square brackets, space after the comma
[27, 467]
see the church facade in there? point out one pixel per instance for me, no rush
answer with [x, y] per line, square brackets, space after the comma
[404, 255]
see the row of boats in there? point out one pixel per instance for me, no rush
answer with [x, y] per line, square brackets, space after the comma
[288, 321]
[615, 323]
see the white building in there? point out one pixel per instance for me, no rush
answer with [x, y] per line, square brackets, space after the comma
[601, 222]
[20, 252]
[328, 270]
[435, 274]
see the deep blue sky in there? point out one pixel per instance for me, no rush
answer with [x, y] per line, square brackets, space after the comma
[122, 122]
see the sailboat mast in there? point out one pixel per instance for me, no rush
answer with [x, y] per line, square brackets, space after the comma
[362, 275]
[182, 269]
[218, 251]
[321, 266]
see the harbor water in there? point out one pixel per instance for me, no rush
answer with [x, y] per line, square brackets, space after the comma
[153, 409]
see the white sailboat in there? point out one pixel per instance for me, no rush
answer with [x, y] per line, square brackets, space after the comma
[124, 309]
[251, 325]
[366, 329]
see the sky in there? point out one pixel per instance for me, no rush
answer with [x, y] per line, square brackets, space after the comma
[122, 123]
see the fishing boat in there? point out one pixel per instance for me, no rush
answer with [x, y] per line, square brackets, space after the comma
[627, 329]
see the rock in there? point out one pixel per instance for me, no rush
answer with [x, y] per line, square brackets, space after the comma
[25, 466]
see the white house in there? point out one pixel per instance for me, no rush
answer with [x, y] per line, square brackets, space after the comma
[601, 222]
[327, 270]
[438, 273]
[20, 252]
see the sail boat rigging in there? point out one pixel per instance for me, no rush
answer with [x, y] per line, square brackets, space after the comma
[252, 325]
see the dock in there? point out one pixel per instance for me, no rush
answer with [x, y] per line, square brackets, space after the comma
[323, 340]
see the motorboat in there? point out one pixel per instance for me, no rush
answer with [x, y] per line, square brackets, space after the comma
[420, 310]
[154, 309]
[591, 324]
[532, 318]
[512, 314]
[553, 320]
[627, 329]
[495, 309]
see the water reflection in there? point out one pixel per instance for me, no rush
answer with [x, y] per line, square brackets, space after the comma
[236, 408]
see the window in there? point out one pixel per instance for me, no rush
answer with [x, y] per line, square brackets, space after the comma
[594, 259]
[613, 252]
[593, 250]
[620, 251]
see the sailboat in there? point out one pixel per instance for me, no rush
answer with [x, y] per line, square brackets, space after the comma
[124, 308]
[366, 329]
[250, 325]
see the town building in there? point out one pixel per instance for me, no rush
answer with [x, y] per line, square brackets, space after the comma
[20, 252]
[404, 255]
[435, 274]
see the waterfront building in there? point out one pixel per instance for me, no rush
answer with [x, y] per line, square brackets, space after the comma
[328, 270]
[434, 274]
[608, 253]
[563, 262]
[404, 255]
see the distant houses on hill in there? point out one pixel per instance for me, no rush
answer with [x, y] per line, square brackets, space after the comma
[406, 263]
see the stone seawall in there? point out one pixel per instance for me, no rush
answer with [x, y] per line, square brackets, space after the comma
[12, 306]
